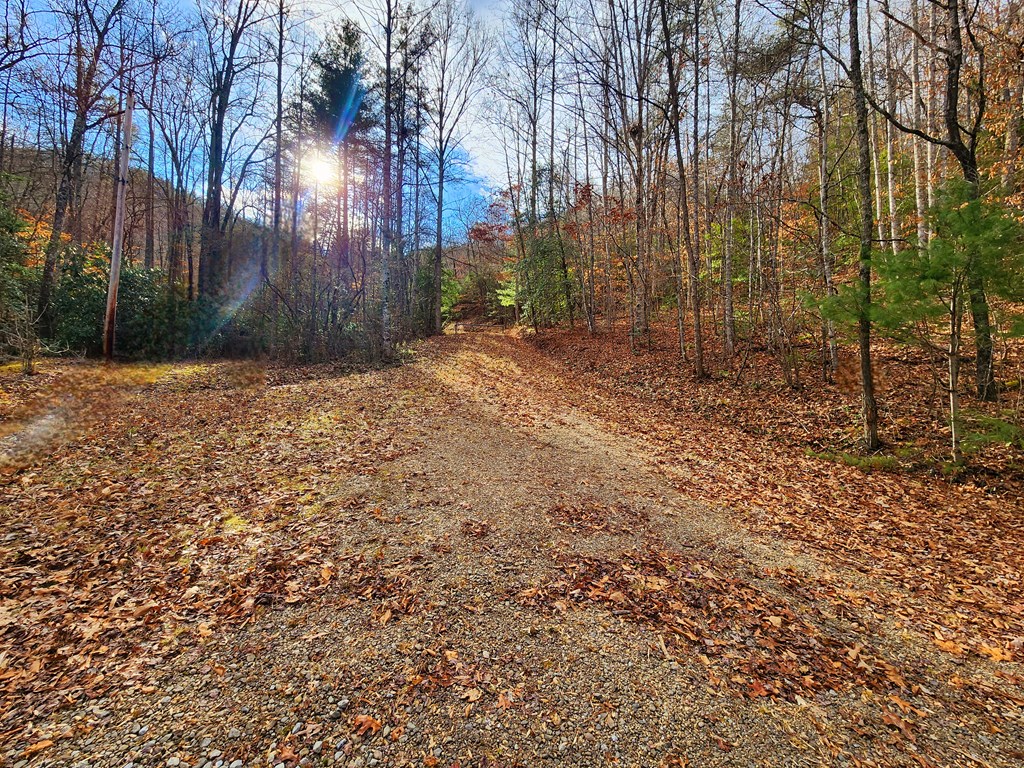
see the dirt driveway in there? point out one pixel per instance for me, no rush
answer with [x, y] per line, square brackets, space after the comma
[468, 560]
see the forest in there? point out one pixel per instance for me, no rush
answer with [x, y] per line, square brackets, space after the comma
[760, 175]
[512, 382]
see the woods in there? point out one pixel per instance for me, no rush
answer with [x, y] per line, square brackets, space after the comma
[759, 174]
[754, 174]
[508, 383]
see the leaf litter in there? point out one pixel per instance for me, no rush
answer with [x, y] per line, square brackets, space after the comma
[475, 559]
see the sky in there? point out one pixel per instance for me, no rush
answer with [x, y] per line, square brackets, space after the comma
[481, 159]
[487, 159]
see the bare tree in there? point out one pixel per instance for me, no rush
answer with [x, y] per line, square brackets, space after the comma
[233, 52]
[454, 72]
[98, 63]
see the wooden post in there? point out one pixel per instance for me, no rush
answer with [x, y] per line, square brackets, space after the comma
[118, 239]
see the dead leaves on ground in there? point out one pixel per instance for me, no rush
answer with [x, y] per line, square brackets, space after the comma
[476, 529]
[751, 641]
[948, 555]
[591, 517]
[184, 506]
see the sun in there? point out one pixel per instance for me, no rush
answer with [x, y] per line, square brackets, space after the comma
[319, 170]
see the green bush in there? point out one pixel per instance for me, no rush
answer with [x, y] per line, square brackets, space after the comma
[17, 293]
[152, 321]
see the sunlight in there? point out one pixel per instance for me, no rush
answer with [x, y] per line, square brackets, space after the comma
[320, 170]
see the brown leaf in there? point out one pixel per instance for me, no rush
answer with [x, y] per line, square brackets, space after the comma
[142, 610]
[905, 706]
[39, 746]
[364, 723]
[757, 689]
[891, 718]
[287, 752]
[996, 654]
[948, 646]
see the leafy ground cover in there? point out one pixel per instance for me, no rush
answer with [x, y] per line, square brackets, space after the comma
[503, 553]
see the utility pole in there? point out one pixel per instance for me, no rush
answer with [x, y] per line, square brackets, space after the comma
[118, 239]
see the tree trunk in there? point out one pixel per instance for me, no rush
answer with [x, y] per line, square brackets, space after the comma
[438, 254]
[683, 208]
[955, 320]
[728, 315]
[695, 299]
[890, 144]
[70, 159]
[831, 356]
[870, 407]
[920, 169]
[386, 230]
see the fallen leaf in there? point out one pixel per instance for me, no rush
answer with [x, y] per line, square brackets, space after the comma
[891, 718]
[364, 723]
[948, 646]
[996, 654]
[287, 752]
[39, 746]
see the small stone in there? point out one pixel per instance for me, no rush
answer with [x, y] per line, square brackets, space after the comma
[236, 764]
[172, 762]
[234, 733]
[317, 746]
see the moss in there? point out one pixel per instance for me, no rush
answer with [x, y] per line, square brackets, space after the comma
[882, 462]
